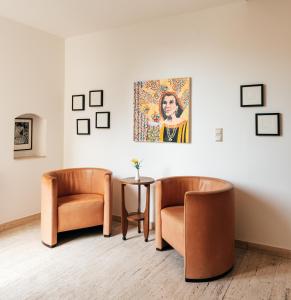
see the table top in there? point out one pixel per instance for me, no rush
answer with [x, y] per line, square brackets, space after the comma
[143, 180]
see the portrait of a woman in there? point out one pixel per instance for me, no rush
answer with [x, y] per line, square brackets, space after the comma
[162, 110]
[174, 128]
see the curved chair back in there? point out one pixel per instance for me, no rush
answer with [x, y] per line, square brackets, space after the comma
[174, 188]
[79, 181]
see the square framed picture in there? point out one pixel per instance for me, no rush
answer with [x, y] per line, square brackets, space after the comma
[83, 126]
[268, 124]
[78, 102]
[23, 134]
[96, 98]
[103, 119]
[252, 95]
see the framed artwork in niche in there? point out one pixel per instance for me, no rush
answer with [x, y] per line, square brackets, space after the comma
[252, 95]
[268, 124]
[78, 102]
[103, 119]
[83, 126]
[23, 134]
[96, 98]
[162, 110]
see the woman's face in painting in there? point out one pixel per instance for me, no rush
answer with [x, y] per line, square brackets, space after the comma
[169, 105]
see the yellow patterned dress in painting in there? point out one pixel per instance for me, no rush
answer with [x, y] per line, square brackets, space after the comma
[175, 133]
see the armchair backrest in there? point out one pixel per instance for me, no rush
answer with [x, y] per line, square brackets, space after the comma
[172, 190]
[80, 180]
[210, 185]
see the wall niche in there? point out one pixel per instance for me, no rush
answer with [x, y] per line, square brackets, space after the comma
[29, 136]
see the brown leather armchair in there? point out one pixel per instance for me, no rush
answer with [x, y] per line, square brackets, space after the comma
[73, 199]
[195, 215]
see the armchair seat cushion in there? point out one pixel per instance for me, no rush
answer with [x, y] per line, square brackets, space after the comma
[173, 227]
[80, 211]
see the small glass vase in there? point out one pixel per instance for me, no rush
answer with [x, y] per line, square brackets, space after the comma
[137, 177]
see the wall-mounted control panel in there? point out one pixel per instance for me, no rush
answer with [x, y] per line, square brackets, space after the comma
[219, 134]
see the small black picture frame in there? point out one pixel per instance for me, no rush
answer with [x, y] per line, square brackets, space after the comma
[268, 124]
[78, 102]
[96, 98]
[83, 126]
[252, 95]
[102, 119]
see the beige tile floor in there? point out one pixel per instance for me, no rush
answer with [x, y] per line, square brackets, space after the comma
[87, 266]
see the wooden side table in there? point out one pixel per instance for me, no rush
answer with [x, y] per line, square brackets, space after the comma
[136, 216]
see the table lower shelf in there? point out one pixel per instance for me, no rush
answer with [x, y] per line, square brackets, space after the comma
[135, 216]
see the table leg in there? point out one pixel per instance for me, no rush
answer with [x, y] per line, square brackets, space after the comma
[138, 210]
[124, 214]
[146, 214]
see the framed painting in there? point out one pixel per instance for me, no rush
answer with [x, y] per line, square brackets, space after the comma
[96, 98]
[83, 126]
[103, 119]
[252, 95]
[268, 124]
[78, 102]
[23, 134]
[162, 110]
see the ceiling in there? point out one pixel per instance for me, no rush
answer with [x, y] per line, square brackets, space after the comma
[68, 18]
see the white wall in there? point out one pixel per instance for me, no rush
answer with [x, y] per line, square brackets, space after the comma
[31, 81]
[220, 48]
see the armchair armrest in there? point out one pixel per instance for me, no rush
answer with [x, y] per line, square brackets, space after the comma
[107, 222]
[49, 222]
[209, 232]
[101, 184]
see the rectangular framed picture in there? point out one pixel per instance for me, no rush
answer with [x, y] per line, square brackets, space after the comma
[268, 124]
[78, 102]
[162, 110]
[23, 134]
[96, 98]
[83, 126]
[252, 95]
[103, 119]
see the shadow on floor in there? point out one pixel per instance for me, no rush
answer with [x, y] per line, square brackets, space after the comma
[65, 237]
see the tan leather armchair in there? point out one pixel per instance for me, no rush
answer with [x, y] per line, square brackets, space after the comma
[73, 199]
[195, 215]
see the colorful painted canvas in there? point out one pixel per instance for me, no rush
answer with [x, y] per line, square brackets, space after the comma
[162, 110]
